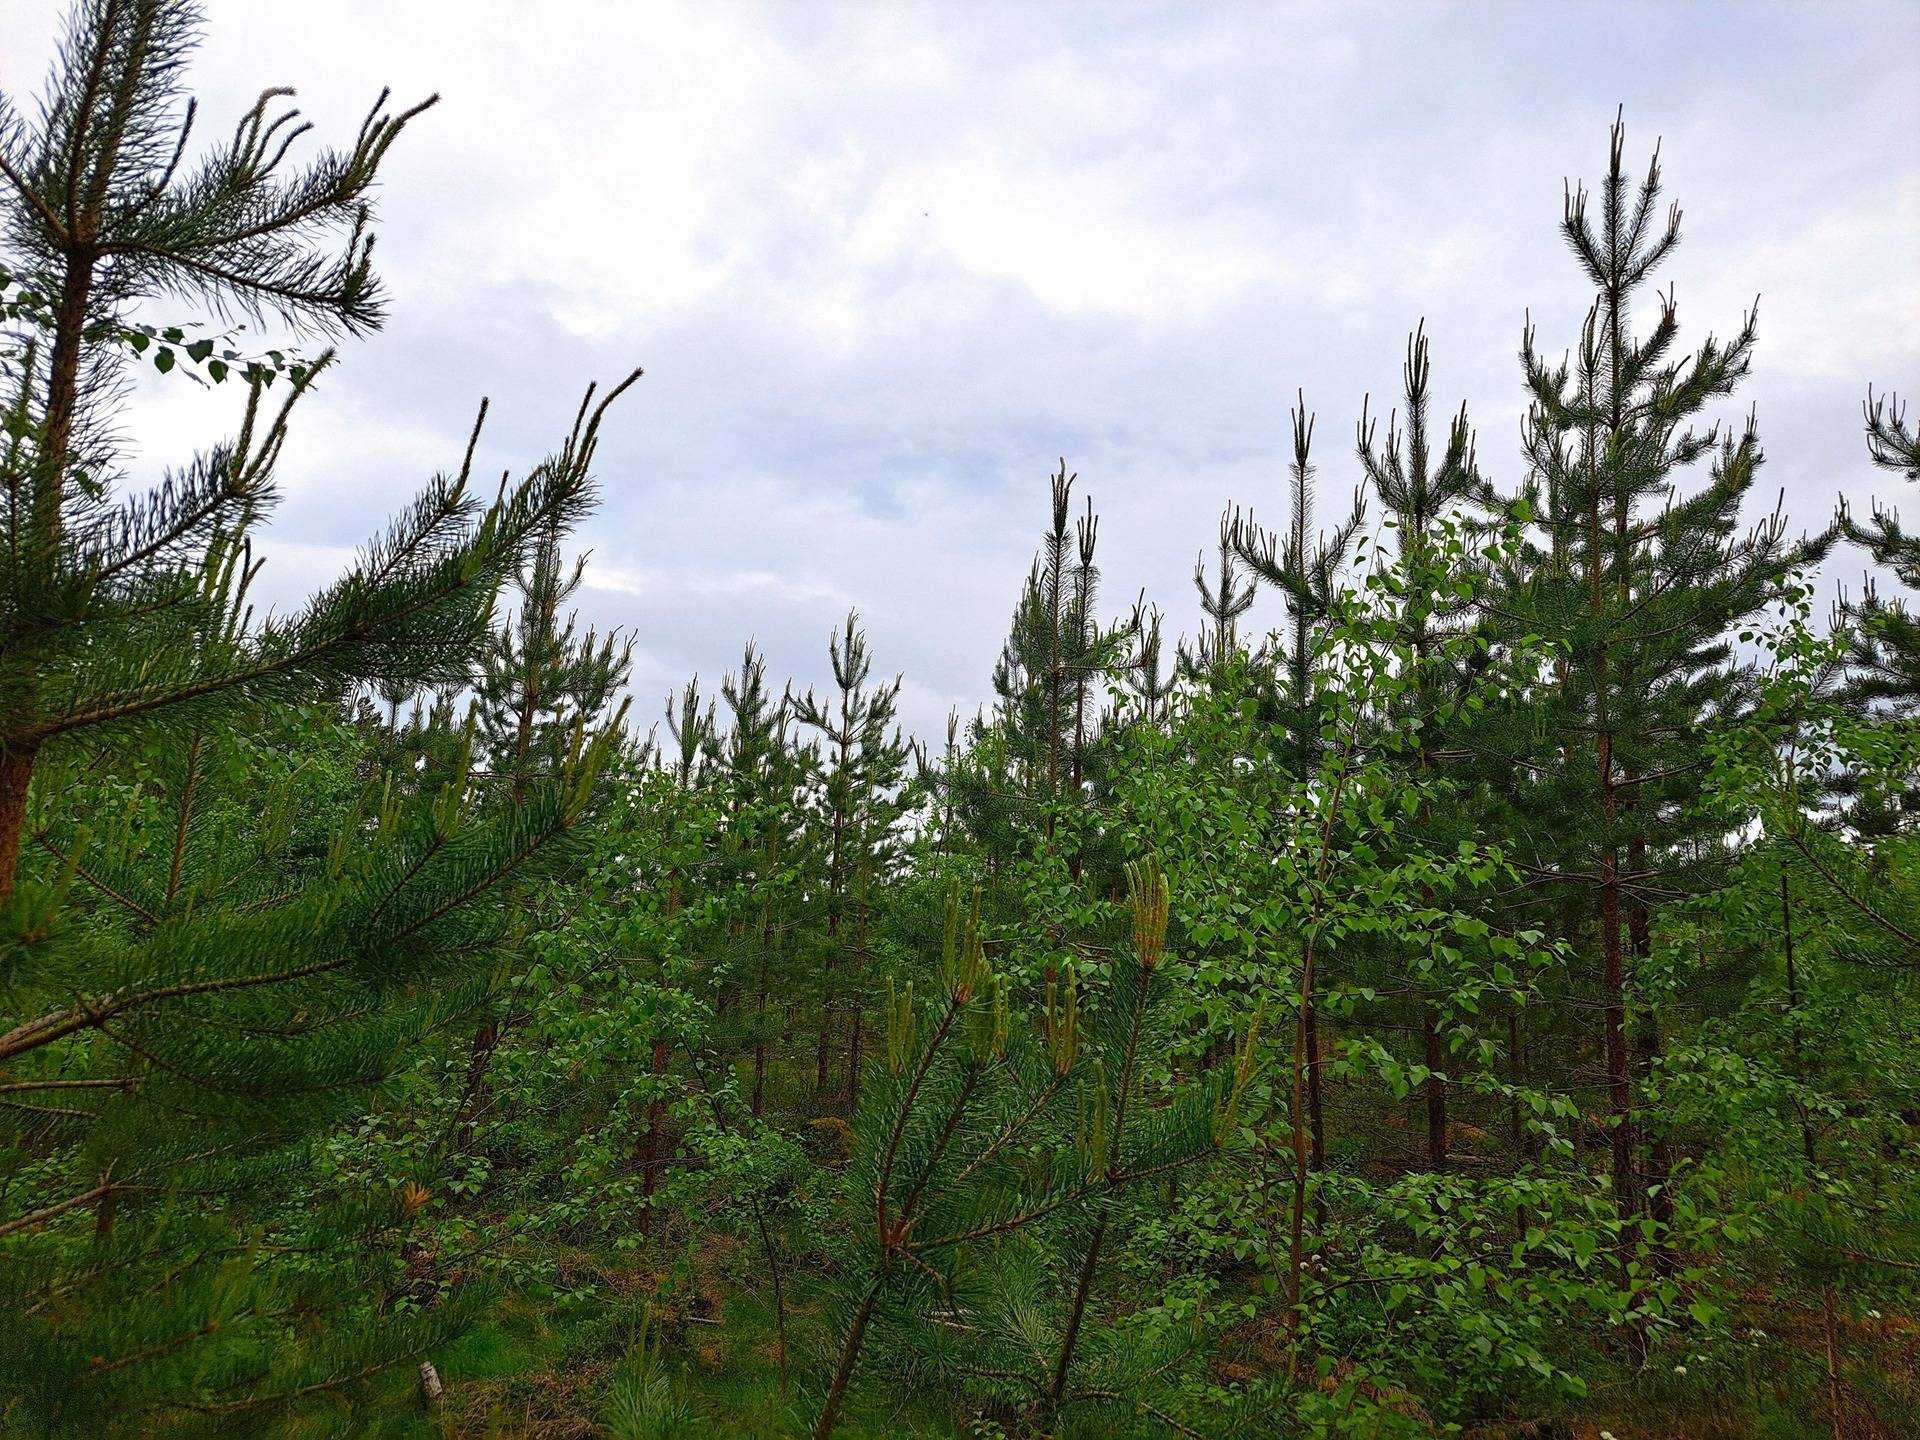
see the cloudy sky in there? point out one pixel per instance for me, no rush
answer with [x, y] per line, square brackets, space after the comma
[884, 264]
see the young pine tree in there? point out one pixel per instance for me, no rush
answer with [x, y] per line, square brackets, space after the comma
[1048, 678]
[1223, 601]
[1305, 567]
[222, 922]
[1639, 587]
[858, 789]
[764, 775]
[991, 1145]
[542, 690]
[1886, 655]
[1419, 488]
[103, 610]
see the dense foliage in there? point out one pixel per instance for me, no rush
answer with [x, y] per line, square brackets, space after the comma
[1481, 1002]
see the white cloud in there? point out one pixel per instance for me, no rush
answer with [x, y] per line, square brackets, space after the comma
[884, 264]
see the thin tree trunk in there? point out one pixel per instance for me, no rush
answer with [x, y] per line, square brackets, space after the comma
[486, 1036]
[650, 1160]
[1079, 743]
[16, 777]
[858, 1008]
[849, 1357]
[1296, 1241]
[1436, 1089]
[1296, 1234]
[835, 895]
[1435, 1042]
[185, 819]
[650, 1153]
[1648, 1051]
[1057, 1387]
[1619, 1071]
[1516, 1077]
[1316, 1113]
[47, 515]
[766, 959]
[1811, 1152]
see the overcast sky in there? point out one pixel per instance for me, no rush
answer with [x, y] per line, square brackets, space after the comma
[884, 264]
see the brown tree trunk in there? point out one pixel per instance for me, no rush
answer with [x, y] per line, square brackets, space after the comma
[650, 1157]
[1436, 1090]
[766, 958]
[843, 1371]
[16, 776]
[1089, 1265]
[1516, 1077]
[1647, 1052]
[486, 1036]
[835, 895]
[1435, 1046]
[760, 1040]
[1435, 1043]
[48, 494]
[858, 1008]
[1808, 1148]
[1614, 1020]
[1316, 1114]
[650, 1146]
[1619, 1078]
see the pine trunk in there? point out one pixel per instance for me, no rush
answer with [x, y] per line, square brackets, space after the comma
[651, 1156]
[486, 1038]
[16, 777]
[1647, 1053]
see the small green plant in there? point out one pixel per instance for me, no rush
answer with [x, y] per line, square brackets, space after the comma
[986, 1131]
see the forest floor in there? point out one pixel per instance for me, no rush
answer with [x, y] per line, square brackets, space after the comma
[626, 1347]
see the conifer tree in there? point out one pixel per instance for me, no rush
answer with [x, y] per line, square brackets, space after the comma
[1152, 687]
[1223, 602]
[540, 678]
[765, 774]
[1044, 755]
[1418, 488]
[1886, 655]
[103, 209]
[1304, 565]
[983, 1130]
[541, 687]
[220, 930]
[863, 764]
[1049, 671]
[1639, 587]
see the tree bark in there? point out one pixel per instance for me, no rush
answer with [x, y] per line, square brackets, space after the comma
[650, 1157]
[16, 777]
